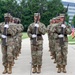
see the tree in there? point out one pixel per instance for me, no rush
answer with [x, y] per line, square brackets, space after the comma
[25, 9]
[67, 18]
[73, 21]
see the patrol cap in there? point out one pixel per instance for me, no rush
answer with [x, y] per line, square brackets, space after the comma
[7, 15]
[36, 14]
[54, 18]
[11, 16]
[57, 17]
[18, 19]
[62, 15]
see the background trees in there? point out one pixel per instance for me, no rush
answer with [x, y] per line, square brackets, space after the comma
[73, 21]
[25, 9]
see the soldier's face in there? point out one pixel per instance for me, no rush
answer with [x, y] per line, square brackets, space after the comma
[36, 18]
[62, 19]
[7, 19]
[53, 21]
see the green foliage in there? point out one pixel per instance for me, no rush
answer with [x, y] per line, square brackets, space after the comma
[67, 19]
[73, 21]
[25, 10]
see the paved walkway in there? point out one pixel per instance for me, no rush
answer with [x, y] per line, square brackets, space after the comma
[22, 65]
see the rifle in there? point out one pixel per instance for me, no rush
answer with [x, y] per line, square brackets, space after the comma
[35, 32]
[63, 29]
[4, 40]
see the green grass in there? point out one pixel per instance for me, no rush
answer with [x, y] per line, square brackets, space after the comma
[70, 40]
[24, 35]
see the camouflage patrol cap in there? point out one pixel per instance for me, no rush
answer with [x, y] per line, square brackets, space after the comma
[11, 16]
[18, 19]
[36, 14]
[54, 18]
[14, 18]
[62, 15]
[58, 17]
[7, 15]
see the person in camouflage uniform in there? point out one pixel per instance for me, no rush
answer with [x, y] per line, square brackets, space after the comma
[61, 49]
[54, 35]
[48, 28]
[51, 38]
[7, 50]
[21, 28]
[37, 48]
[18, 38]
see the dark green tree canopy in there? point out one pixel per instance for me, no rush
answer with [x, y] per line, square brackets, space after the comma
[25, 9]
[73, 21]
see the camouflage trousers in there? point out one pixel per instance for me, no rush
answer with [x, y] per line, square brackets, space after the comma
[7, 56]
[16, 49]
[61, 53]
[36, 52]
[52, 45]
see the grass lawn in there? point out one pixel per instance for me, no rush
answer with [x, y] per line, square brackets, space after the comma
[70, 40]
[24, 35]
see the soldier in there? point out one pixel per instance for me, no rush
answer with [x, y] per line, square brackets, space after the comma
[61, 30]
[51, 37]
[7, 43]
[36, 42]
[48, 28]
[21, 28]
[54, 36]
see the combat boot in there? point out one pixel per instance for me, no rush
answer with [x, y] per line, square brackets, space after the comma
[34, 69]
[16, 58]
[54, 61]
[64, 69]
[50, 54]
[59, 69]
[56, 66]
[13, 63]
[10, 68]
[39, 69]
[52, 57]
[5, 70]
[17, 54]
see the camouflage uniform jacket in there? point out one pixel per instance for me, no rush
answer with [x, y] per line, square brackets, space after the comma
[57, 30]
[41, 31]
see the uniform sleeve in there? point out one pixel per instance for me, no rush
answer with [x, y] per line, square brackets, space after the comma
[29, 31]
[68, 29]
[0, 35]
[22, 27]
[0, 32]
[42, 29]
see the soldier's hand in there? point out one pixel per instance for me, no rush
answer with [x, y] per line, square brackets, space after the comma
[36, 25]
[34, 36]
[63, 25]
[3, 36]
[6, 26]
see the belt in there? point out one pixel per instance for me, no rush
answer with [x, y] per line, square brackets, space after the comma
[8, 34]
[38, 34]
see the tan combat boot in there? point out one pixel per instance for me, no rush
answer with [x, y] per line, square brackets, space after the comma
[16, 58]
[5, 70]
[34, 69]
[56, 66]
[10, 68]
[50, 54]
[64, 69]
[54, 61]
[13, 63]
[59, 69]
[39, 69]
[52, 57]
